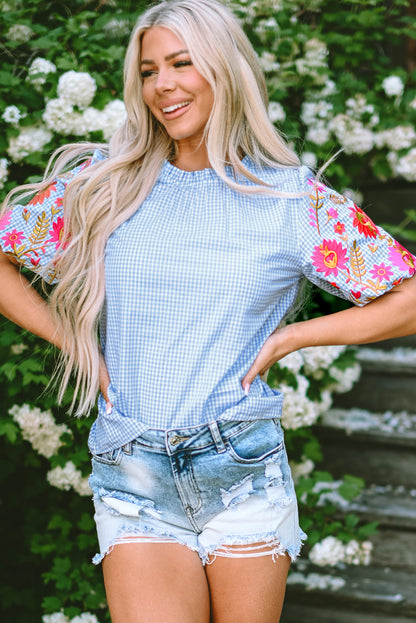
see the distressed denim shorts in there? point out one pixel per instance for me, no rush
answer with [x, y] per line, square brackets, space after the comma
[207, 487]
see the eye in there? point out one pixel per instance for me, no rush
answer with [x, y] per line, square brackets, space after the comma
[183, 63]
[147, 73]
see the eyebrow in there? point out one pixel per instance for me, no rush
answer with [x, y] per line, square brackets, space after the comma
[169, 57]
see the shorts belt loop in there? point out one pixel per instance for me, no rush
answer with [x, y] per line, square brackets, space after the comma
[216, 436]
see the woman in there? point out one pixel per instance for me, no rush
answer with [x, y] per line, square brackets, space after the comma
[186, 240]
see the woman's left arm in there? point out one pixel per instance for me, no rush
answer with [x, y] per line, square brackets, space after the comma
[391, 315]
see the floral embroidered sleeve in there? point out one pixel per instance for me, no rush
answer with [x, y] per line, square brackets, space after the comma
[33, 233]
[343, 251]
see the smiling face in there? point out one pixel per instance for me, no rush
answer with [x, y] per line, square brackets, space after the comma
[174, 91]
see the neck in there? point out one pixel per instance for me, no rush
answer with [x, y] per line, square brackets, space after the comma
[190, 159]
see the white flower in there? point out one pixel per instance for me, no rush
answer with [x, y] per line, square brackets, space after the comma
[18, 349]
[330, 551]
[314, 581]
[318, 134]
[358, 553]
[345, 379]
[354, 195]
[298, 410]
[404, 166]
[77, 88]
[329, 88]
[60, 117]
[39, 69]
[309, 159]
[393, 86]
[19, 33]
[39, 429]
[30, 140]
[56, 617]
[12, 114]
[117, 28]
[312, 112]
[413, 104]
[85, 617]
[293, 362]
[320, 357]
[268, 62]
[353, 136]
[276, 112]
[68, 477]
[4, 171]
[301, 469]
[400, 137]
[114, 115]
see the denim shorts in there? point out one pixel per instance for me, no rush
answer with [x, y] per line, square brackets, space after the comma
[208, 487]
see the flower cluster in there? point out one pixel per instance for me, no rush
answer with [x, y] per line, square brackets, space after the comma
[30, 140]
[68, 477]
[318, 365]
[316, 581]
[20, 33]
[39, 429]
[60, 617]
[61, 117]
[11, 115]
[331, 552]
[4, 171]
[76, 88]
[38, 71]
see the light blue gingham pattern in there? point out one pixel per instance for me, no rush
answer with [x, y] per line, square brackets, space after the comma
[196, 281]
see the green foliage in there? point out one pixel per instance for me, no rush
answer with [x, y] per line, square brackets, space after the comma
[49, 533]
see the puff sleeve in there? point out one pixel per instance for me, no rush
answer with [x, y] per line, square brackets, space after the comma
[32, 233]
[342, 251]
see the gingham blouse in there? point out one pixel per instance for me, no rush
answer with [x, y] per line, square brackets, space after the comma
[198, 278]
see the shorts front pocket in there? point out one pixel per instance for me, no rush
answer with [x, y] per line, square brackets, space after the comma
[112, 457]
[256, 442]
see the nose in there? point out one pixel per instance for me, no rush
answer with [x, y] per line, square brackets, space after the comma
[164, 82]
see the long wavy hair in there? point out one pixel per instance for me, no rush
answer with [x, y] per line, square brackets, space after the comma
[102, 196]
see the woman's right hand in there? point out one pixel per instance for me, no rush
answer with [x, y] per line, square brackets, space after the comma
[104, 380]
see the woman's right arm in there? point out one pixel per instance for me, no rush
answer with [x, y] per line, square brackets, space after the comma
[22, 304]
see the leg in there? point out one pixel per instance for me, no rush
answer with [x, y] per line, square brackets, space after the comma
[155, 582]
[247, 590]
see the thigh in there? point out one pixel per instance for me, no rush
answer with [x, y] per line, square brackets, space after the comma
[247, 590]
[154, 582]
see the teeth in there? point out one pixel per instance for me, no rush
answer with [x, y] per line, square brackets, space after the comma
[175, 107]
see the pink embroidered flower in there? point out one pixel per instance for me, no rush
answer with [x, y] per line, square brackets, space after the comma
[5, 219]
[329, 257]
[400, 257]
[363, 222]
[13, 238]
[57, 231]
[312, 216]
[332, 213]
[381, 272]
[316, 185]
[42, 195]
[339, 228]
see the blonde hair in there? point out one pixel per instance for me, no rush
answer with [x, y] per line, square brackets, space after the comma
[102, 196]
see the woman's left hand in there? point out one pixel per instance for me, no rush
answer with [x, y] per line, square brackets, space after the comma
[278, 345]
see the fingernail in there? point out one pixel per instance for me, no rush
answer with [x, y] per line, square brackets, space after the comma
[246, 388]
[109, 408]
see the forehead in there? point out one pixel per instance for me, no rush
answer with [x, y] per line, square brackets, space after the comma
[160, 41]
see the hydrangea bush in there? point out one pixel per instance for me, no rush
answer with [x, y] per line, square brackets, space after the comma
[337, 78]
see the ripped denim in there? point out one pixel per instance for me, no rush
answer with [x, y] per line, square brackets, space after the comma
[222, 489]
